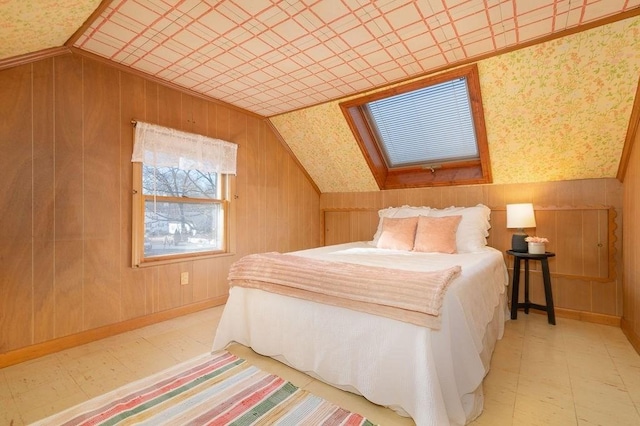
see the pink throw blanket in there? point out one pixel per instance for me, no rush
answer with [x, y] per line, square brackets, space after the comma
[410, 296]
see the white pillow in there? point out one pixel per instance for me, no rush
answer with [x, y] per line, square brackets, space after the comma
[474, 227]
[398, 212]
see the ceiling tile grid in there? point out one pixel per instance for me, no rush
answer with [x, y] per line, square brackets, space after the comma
[274, 56]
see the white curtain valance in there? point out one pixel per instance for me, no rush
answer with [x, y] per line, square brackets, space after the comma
[164, 147]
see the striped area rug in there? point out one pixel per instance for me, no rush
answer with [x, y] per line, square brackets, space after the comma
[215, 389]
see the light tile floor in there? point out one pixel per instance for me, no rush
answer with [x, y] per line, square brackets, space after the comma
[572, 374]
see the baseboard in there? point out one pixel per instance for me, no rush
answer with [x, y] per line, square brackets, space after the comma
[583, 316]
[45, 348]
[56, 345]
[627, 329]
[588, 317]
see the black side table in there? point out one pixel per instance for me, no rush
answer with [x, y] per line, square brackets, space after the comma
[543, 258]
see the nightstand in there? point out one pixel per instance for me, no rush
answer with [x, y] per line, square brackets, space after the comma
[546, 277]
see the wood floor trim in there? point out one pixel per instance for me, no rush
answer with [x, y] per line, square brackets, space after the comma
[38, 350]
[634, 339]
[588, 317]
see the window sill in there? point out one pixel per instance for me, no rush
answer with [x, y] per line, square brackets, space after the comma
[419, 177]
[182, 259]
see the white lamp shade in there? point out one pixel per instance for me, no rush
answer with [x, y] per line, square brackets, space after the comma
[520, 216]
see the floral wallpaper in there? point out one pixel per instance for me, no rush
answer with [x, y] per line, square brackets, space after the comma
[323, 143]
[29, 26]
[560, 110]
[554, 111]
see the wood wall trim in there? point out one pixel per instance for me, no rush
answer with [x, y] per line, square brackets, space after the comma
[611, 236]
[632, 131]
[546, 208]
[572, 277]
[35, 351]
[33, 57]
[88, 22]
[349, 209]
[627, 329]
[591, 317]
[611, 233]
[369, 149]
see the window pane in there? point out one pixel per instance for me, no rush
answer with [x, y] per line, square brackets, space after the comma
[426, 125]
[174, 182]
[174, 228]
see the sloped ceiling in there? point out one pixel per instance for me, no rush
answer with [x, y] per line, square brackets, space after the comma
[291, 60]
[554, 111]
[274, 56]
[29, 26]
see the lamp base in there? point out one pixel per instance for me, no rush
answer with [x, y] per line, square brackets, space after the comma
[519, 244]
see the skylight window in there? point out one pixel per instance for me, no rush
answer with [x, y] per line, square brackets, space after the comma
[426, 133]
[439, 115]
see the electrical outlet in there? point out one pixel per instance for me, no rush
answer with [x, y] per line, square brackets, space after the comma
[184, 278]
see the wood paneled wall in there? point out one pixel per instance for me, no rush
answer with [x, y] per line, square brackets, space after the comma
[66, 175]
[631, 249]
[572, 214]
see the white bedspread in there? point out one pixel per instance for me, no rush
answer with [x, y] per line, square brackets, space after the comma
[434, 376]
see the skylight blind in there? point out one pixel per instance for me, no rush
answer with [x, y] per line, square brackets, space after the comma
[426, 126]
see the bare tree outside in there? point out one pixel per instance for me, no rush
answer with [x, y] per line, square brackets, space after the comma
[183, 211]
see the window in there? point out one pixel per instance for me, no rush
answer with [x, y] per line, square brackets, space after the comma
[426, 133]
[183, 212]
[180, 206]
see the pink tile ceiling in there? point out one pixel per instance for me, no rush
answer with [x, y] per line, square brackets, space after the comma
[274, 56]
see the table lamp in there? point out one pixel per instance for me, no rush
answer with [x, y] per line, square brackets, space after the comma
[520, 216]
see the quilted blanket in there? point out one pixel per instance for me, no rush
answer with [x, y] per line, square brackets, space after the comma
[410, 296]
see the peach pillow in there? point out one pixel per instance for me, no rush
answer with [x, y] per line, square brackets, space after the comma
[473, 229]
[437, 234]
[398, 212]
[398, 233]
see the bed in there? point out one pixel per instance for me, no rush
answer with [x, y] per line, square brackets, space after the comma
[431, 373]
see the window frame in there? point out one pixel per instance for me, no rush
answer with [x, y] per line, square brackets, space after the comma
[138, 222]
[464, 172]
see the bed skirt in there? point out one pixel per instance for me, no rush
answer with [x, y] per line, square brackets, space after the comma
[415, 371]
